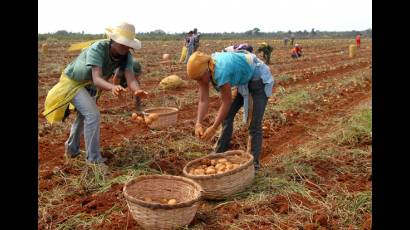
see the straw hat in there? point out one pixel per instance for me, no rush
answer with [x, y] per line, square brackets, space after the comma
[125, 35]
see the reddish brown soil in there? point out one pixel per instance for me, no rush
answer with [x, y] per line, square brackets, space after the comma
[278, 139]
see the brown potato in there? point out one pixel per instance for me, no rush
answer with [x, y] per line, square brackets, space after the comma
[172, 201]
[220, 171]
[148, 120]
[140, 119]
[213, 162]
[199, 171]
[134, 116]
[229, 167]
[222, 160]
[153, 116]
[210, 171]
[220, 166]
[206, 162]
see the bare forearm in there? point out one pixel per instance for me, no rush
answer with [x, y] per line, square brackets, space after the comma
[222, 113]
[134, 85]
[202, 110]
[101, 83]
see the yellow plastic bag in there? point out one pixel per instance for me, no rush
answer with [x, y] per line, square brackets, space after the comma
[183, 54]
[81, 45]
[171, 82]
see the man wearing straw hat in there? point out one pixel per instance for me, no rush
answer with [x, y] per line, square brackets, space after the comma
[224, 70]
[78, 86]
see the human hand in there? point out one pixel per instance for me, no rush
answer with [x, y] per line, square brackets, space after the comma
[199, 130]
[140, 93]
[209, 133]
[116, 90]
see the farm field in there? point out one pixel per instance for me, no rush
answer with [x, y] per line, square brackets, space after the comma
[317, 143]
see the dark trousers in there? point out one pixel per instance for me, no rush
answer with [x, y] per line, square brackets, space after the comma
[256, 89]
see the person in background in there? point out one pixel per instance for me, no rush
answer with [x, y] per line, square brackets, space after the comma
[358, 40]
[296, 51]
[196, 36]
[285, 41]
[238, 47]
[190, 46]
[266, 50]
[292, 39]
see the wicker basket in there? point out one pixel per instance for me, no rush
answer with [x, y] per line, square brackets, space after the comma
[167, 116]
[151, 215]
[221, 186]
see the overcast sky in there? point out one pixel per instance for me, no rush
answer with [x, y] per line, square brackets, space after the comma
[177, 16]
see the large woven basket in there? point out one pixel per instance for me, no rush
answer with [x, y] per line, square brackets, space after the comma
[151, 215]
[221, 186]
[167, 116]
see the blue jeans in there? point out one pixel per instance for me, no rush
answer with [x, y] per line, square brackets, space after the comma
[87, 121]
[190, 51]
[256, 89]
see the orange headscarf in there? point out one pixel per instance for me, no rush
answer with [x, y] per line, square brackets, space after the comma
[197, 64]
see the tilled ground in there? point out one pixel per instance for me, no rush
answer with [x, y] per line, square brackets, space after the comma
[333, 85]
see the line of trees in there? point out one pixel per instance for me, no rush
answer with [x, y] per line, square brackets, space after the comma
[250, 34]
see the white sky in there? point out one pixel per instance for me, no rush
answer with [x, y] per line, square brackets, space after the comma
[173, 16]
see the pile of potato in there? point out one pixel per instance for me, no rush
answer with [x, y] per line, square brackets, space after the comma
[217, 166]
[148, 119]
[160, 201]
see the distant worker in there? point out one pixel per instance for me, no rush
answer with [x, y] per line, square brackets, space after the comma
[238, 47]
[189, 45]
[358, 40]
[185, 46]
[292, 39]
[196, 36]
[266, 50]
[296, 51]
[285, 41]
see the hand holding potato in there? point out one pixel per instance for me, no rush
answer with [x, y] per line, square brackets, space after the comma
[140, 93]
[199, 130]
[117, 89]
[209, 133]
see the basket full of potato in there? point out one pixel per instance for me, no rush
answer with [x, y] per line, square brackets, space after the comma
[162, 201]
[222, 174]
